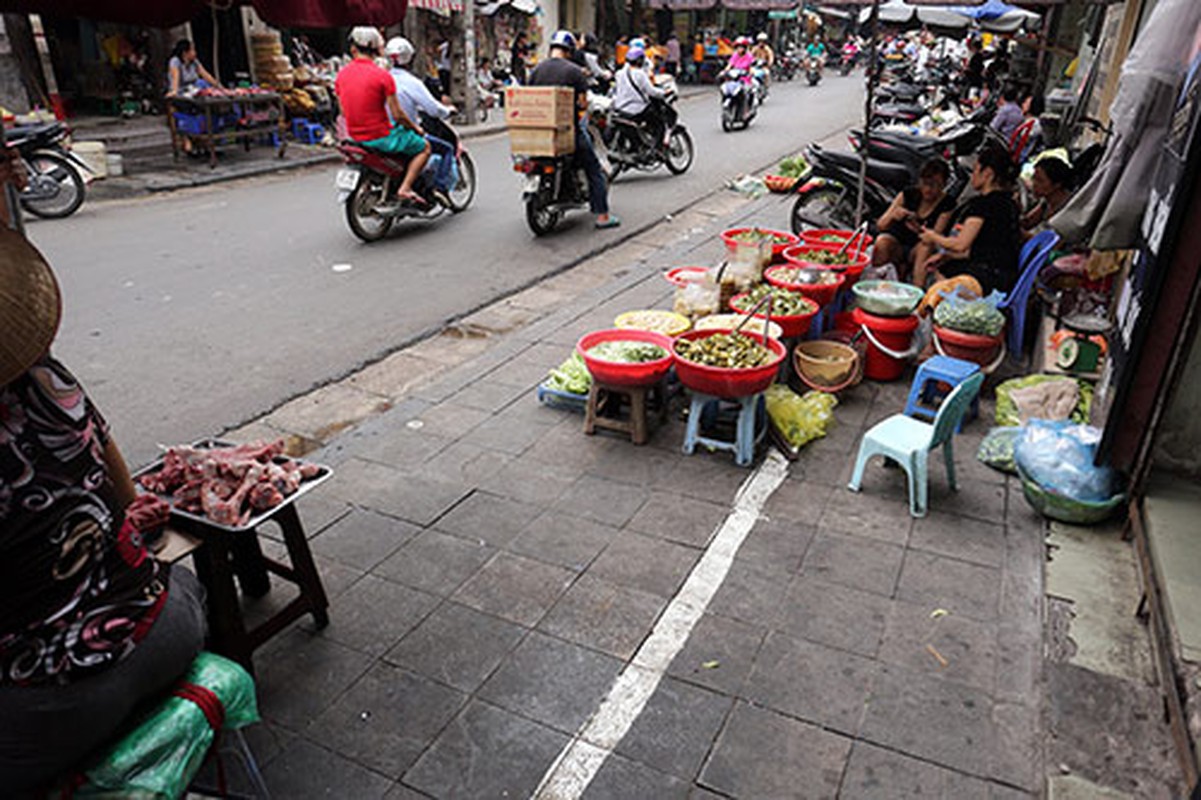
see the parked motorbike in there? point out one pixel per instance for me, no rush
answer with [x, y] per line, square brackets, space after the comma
[630, 144]
[827, 197]
[56, 182]
[370, 179]
[738, 101]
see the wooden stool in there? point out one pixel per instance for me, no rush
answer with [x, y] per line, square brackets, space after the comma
[604, 398]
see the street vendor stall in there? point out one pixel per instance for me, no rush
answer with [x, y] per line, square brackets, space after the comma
[214, 116]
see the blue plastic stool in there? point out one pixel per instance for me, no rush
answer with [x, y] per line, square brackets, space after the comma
[314, 134]
[706, 406]
[924, 396]
[299, 124]
[271, 139]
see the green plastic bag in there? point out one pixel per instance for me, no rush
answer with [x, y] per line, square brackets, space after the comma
[800, 418]
[160, 755]
[996, 450]
[1007, 410]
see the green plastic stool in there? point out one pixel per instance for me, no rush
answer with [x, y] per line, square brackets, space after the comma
[909, 441]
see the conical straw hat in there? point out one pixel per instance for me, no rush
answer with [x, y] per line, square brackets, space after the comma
[30, 305]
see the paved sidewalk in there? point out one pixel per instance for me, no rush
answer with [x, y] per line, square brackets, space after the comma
[492, 571]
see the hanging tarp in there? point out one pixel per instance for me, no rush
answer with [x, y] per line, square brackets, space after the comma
[169, 13]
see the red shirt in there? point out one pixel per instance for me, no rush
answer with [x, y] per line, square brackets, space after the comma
[363, 90]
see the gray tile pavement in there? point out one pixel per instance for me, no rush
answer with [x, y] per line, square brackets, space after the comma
[491, 570]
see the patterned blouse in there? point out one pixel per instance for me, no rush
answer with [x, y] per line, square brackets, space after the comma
[77, 587]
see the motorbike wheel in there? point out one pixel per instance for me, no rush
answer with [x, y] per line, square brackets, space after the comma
[680, 152]
[821, 208]
[464, 191]
[364, 222]
[727, 118]
[541, 219]
[58, 186]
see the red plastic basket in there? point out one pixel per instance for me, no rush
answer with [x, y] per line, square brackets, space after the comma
[777, 250]
[815, 237]
[791, 324]
[821, 293]
[729, 383]
[682, 276]
[617, 373]
[796, 257]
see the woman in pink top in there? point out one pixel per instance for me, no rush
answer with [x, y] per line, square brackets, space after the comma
[741, 58]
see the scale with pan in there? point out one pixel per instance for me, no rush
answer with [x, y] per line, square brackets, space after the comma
[1080, 344]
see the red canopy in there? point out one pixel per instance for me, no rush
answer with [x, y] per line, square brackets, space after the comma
[167, 13]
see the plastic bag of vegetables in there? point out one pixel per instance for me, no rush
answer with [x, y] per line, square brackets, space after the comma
[799, 418]
[996, 450]
[971, 315]
[1007, 410]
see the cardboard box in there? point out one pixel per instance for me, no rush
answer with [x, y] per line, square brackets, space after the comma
[539, 107]
[542, 141]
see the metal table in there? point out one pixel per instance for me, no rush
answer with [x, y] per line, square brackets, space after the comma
[260, 112]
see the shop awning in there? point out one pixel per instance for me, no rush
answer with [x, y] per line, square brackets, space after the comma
[168, 13]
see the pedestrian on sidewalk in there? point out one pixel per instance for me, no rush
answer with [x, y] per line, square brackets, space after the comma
[672, 63]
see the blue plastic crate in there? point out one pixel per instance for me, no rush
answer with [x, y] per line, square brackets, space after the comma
[190, 123]
[565, 400]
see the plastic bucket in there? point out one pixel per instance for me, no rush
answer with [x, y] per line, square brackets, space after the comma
[973, 347]
[115, 164]
[894, 333]
[94, 155]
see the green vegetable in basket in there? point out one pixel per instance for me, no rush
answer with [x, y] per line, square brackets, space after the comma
[980, 316]
[725, 350]
[1007, 410]
[627, 352]
[794, 167]
[759, 235]
[785, 304]
[831, 258]
[571, 376]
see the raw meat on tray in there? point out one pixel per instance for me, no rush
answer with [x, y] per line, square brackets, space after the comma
[228, 484]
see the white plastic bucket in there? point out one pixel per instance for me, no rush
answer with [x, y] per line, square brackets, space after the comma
[116, 165]
[94, 155]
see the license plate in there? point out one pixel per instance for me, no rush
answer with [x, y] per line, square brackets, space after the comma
[347, 179]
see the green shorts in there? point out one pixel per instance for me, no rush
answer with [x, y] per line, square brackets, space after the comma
[400, 141]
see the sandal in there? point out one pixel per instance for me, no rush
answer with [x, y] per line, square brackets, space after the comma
[612, 222]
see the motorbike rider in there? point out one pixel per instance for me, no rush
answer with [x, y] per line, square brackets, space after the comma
[415, 98]
[588, 57]
[741, 58]
[850, 50]
[559, 70]
[762, 51]
[636, 95]
[816, 52]
[374, 118]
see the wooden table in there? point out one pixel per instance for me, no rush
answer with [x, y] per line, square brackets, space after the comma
[222, 557]
[262, 112]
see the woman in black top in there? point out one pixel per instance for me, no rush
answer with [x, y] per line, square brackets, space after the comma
[986, 237]
[925, 205]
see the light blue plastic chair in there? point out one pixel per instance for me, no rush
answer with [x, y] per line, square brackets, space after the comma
[909, 441]
[1031, 261]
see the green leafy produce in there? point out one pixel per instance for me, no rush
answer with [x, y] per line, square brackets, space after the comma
[785, 304]
[997, 448]
[820, 256]
[627, 352]
[1007, 410]
[794, 167]
[969, 316]
[727, 350]
[757, 235]
[571, 376]
[832, 237]
[818, 277]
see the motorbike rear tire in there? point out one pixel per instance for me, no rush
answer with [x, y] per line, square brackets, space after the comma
[464, 191]
[680, 152]
[67, 199]
[727, 119]
[821, 208]
[541, 219]
[360, 207]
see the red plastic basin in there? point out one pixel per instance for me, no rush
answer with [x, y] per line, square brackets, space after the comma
[777, 250]
[895, 333]
[796, 257]
[682, 276]
[728, 383]
[791, 324]
[619, 373]
[815, 237]
[974, 347]
[821, 293]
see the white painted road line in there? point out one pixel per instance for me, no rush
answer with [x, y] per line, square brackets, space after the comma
[584, 755]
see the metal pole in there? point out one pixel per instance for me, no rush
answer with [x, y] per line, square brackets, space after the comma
[469, 56]
[873, 74]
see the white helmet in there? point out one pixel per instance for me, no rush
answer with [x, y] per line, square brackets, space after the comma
[400, 50]
[762, 37]
[367, 39]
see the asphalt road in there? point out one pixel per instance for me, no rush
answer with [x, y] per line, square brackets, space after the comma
[199, 310]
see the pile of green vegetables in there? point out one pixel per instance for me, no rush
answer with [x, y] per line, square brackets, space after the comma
[819, 256]
[759, 235]
[571, 376]
[794, 167]
[785, 304]
[627, 352]
[726, 350]
[969, 316]
[818, 277]
[833, 237]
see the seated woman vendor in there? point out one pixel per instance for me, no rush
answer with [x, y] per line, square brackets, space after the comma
[184, 70]
[90, 623]
[925, 205]
[985, 238]
[1051, 187]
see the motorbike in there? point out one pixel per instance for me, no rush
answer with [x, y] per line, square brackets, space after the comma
[813, 70]
[370, 178]
[761, 78]
[738, 100]
[828, 195]
[56, 175]
[631, 146]
[847, 62]
[554, 185]
[785, 66]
